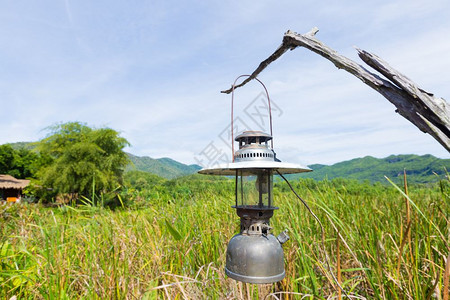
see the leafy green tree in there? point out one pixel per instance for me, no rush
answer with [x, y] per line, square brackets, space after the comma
[20, 163]
[7, 160]
[85, 160]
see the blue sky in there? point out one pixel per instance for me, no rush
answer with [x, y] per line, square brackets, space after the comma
[153, 70]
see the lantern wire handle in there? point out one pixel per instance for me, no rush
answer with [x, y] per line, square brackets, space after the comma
[232, 113]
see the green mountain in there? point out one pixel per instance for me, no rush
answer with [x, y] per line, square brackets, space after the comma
[163, 167]
[419, 169]
[22, 145]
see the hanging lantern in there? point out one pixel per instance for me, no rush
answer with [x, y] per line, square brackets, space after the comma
[255, 255]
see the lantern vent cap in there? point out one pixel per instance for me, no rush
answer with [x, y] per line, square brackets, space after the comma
[253, 134]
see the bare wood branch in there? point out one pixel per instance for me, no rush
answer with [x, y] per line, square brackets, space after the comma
[280, 51]
[428, 113]
[435, 109]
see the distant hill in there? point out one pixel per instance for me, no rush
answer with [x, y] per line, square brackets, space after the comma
[22, 145]
[164, 167]
[419, 169]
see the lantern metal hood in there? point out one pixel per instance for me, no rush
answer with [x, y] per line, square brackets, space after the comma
[254, 153]
[255, 255]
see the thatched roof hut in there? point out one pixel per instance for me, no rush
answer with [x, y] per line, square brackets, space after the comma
[11, 188]
[9, 182]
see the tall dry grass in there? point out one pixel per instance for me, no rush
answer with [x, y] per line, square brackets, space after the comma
[170, 242]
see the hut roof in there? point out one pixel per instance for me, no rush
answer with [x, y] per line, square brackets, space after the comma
[9, 182]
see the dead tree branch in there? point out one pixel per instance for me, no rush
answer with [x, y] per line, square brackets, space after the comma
[428, 113]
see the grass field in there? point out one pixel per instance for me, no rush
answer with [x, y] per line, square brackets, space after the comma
[168, 242]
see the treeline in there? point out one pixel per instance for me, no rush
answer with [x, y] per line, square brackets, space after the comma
[143, 189]
[21, 163]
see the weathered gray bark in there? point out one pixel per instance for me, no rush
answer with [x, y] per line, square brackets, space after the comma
[430, 114]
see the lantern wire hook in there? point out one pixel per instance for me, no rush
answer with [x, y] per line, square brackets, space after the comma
[232, 113]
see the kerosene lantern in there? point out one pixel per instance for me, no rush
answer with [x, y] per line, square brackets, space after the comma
[255, 255]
